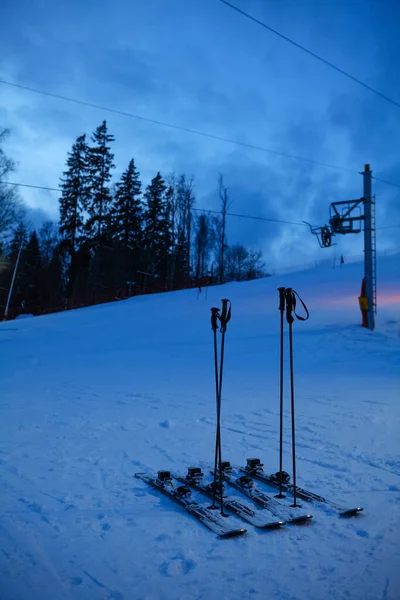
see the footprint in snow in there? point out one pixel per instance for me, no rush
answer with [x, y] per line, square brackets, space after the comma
[162, 537]
[176, 567]
[362, 533]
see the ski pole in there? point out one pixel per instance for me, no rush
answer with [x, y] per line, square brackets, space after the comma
[289, 318]
[224, 318]
[281, 291]
[214, 327]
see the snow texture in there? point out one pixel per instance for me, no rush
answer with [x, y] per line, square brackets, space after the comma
[89, 397]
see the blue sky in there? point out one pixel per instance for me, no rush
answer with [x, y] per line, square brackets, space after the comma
[199, 64]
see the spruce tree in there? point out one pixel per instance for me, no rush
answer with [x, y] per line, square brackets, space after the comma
[48, 240]
[74, 197]
[127, 229]
[100, 164]
[31, 270]
[157, 238]
[52, 281]
[128, 210]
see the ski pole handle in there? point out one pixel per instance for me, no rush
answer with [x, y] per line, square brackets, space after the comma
[289, 305]
[214, 318]
[225, 315]
[281, 291]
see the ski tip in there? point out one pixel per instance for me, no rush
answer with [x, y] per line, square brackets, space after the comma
[351, 512]
[233, 533]
[301, 520]
[274, 525]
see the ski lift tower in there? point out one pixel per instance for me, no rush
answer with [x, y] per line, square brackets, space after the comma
[346, 217]
[369, 248]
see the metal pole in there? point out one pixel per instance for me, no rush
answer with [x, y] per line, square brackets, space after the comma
[368, 251]
[13, 279]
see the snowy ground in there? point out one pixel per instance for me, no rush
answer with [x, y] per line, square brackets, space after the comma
[89, 397]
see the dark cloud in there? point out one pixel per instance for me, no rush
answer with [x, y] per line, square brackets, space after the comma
[35, 217]
[203, 66]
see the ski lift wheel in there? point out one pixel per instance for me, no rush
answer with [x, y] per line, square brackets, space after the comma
[326, 237]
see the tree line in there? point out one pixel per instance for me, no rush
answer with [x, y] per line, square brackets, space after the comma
[116, 239]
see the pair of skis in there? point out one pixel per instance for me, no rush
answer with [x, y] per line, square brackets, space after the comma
[182, 495]
[245, 485]
[281, 480]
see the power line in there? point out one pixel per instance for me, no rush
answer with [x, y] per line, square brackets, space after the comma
[51, 189]
[178, 127]
[385, 181]
[218, 212]
[257, 218]
[27, 185]
[304, 49]
[388, 226]
[188, 130]
[193, 131]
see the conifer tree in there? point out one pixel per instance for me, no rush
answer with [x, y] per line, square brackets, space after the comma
[128, 210]
[127, 229]
[31, 271]
[100, 164]
[52, 282]
[74, 196]
[157, 238]
[48, 240]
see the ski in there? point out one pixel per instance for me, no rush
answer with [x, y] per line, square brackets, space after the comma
[182, 495]
[254, 468]
[194, 479]
[245, 485]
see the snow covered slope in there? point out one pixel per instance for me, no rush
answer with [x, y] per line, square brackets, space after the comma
[90, 397]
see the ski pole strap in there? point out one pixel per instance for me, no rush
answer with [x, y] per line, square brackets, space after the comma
[294, 294]
[281, 291]
[214, 318]
[225, 315]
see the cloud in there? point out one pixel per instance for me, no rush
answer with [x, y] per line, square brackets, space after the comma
[35, 217]
[204, 67]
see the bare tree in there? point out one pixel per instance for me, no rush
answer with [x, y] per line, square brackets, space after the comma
[203, 239]
[11, 208]
[185, 202]
[221, 228]
[243, 264]
[48, 240]
[255, 266]
[235, 262]
[181, 199]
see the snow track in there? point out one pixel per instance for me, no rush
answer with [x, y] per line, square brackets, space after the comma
[90, 397]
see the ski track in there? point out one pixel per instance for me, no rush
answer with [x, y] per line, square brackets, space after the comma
[136, 393]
